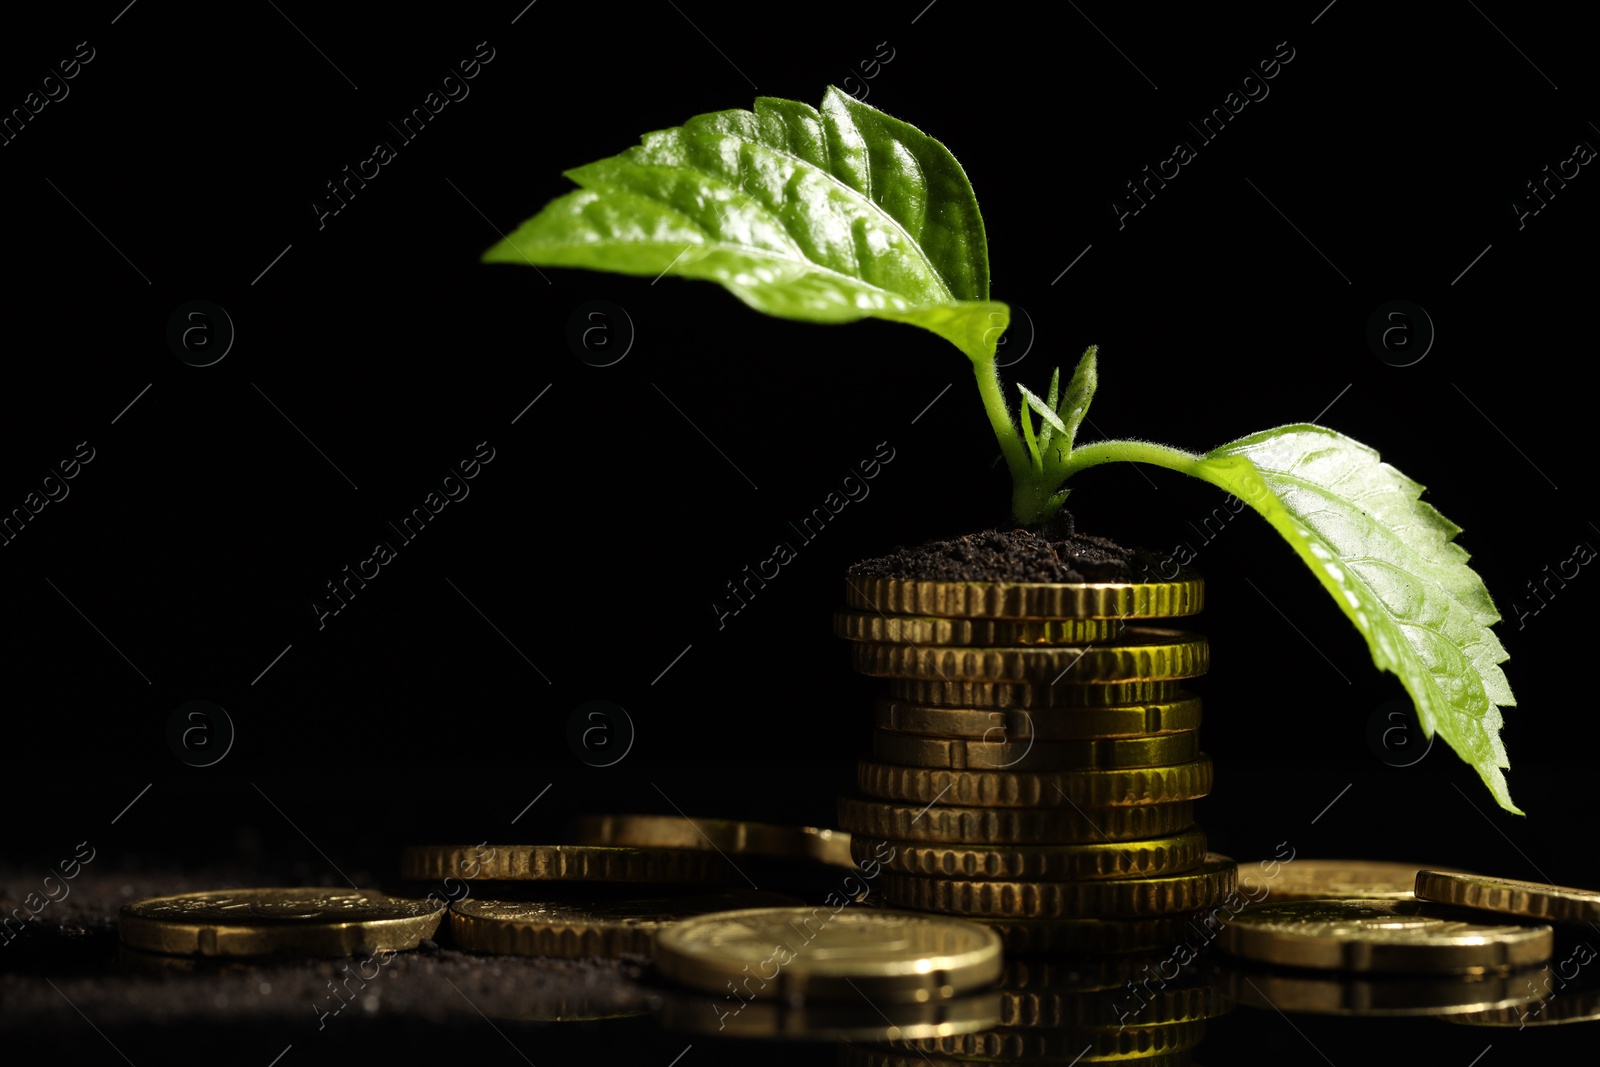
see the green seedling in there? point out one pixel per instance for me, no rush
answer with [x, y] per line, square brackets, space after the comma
[847, 213]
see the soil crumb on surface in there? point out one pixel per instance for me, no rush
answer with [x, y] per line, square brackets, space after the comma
[1054, 553]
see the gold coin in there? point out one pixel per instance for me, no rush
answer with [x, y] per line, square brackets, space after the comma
[846, 953]
[1017, 725]
[1036, 789]
[1510, 896]
[1379, 994]
[1105, 1043]
[1053, 862]
[732, 837]
[830, 1021]
[1000, 633]
[1314, 879]
[1123, 898]
[1140, 655]
[563, 863]
[1029, 600]
[1012, 826]
[988, 695]
[259, 922]
[1029, 754]
[1378, 936]
[572, 929]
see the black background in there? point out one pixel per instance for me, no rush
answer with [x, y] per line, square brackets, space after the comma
[374, 351]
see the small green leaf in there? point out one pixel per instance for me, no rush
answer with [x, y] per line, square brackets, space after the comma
[1027, 432]
[827, 216]
[1047, 430]
[1075, 401]
[1392, 565]
[1034, 401]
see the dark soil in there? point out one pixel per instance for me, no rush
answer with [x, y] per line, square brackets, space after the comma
[1054, 553]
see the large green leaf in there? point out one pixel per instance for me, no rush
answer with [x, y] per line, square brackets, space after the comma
[1392, 565]
[827, 216]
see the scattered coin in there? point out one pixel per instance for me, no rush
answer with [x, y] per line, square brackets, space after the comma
[1379, 936]
[305, 921]
[1510, 896]
[564, 863]
[1314, 879]
[572, 929]
[730, 836]
[804, 953]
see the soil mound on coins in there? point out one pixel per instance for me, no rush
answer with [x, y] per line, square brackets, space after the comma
[1055, 552]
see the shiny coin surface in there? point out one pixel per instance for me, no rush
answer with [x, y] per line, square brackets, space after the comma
[1366, 994]
[725, 1016]
[1126, 898]
[1141, 654]
[565, 863]
[1053, 862]
[876, 627]
[1016, 726]
[1030, 754]
[849, 953]
[1029, 600]
[1036, 789]
[1510, 896]
[1316, 879]
[571, 929]
[1003, 695]
[1379, 936]
[260, 922]
[1006, 826]
[730, 836]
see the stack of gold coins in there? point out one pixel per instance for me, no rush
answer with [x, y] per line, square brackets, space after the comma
[1036, 759]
